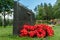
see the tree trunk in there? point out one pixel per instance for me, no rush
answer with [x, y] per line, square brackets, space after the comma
[4, 24]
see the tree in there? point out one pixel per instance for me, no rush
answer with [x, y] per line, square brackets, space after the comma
[46, 16]
[39, 12]
[44, 12]
[57, 11]
[50, 10]
[6, 5]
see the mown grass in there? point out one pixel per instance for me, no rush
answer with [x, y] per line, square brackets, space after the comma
[6, 34]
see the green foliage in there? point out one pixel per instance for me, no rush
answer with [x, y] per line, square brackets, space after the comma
[44, 12]
[7, 4]
[47, 11]
[57, 11]
[39, 12]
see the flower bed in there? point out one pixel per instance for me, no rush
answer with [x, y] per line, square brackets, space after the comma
[39, 30]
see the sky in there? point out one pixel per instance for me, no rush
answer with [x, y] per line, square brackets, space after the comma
[31, 4]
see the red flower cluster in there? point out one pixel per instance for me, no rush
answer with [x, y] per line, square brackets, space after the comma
[39, 30]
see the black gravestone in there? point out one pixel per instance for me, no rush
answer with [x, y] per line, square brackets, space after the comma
[22, 15]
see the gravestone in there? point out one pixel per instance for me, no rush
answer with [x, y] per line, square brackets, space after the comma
[22, 15]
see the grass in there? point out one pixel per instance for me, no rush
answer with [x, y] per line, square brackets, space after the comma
[6, 34]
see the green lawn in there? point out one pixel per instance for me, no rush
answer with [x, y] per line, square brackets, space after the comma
[6, 34]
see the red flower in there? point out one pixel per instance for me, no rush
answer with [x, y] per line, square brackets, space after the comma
[23, 32]
[26, 27]
[50, 32]
[41, 33]
[42, 26]
[31, 33]
[32, 28]
[39, 30]
[38, 26]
